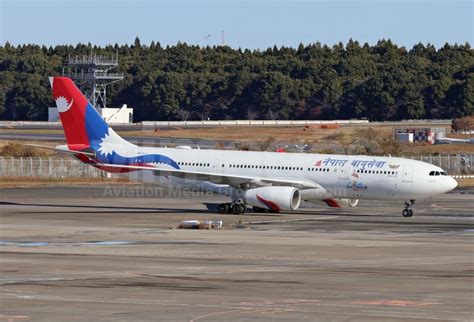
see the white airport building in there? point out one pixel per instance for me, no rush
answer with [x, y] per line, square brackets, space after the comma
[111, 115]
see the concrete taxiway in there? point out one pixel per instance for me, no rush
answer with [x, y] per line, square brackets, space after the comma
[113, 253]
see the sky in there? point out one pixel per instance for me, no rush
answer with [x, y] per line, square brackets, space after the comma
[246, 24]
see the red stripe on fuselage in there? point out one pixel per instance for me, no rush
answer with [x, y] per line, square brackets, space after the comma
[116, 169]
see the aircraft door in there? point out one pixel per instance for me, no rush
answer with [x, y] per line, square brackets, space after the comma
[344, 171]
[407, 173]
[219, 165]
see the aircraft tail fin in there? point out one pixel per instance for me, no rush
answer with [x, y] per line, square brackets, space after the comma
[83, 126]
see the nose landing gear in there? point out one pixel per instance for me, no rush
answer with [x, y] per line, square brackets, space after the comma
[408, 211]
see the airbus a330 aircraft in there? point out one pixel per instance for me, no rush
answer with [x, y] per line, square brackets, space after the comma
[267, 181]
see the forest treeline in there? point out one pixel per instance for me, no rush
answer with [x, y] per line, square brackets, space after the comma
[184, 82]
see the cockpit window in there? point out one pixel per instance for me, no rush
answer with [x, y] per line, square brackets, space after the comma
[438, 173]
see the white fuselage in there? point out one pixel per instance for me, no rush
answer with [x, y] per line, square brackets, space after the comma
[341, 176]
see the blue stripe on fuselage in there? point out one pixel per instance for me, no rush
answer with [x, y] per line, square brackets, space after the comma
[115, 158]
[97, 129]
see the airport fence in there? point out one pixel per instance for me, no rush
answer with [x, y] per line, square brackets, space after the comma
[452, 164]
[50, 167]
[53, 167]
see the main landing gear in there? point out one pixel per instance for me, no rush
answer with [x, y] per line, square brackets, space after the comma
[235, 207]
[408, 211]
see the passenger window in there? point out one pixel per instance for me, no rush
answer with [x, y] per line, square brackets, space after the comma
[436, 173]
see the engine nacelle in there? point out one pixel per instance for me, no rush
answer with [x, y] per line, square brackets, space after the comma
[342, 203]
[336, 203]
[273, 198]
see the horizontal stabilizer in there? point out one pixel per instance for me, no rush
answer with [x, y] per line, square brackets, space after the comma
[62, 150]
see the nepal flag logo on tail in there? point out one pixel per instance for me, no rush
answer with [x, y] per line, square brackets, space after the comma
[62, 104]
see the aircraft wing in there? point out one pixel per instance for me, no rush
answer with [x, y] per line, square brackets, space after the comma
[233, 180]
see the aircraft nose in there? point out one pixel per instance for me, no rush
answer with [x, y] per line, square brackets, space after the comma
[448, 184]
[452, 183]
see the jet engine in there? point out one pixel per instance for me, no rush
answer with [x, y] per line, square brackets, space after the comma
[274, 198]
[337, 203]
[347, 203]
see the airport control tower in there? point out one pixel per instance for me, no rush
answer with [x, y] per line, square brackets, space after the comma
[92, 74]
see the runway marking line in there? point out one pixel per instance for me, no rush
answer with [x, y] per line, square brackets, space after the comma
[264, 307]
[212, 314]
[447, 207]
[395, 303]
[13, 318]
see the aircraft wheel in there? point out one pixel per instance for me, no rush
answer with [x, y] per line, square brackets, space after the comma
[405, 213]
[236, 209]
[242, 208]
[410, 212]
[223, 208]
